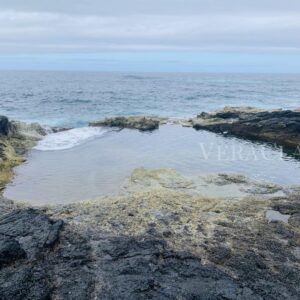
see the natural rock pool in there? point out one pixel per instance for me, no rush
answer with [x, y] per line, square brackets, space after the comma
[98, 163]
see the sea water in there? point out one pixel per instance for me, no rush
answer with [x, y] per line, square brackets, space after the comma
[75, 98]
[59, 172]
[85, 162]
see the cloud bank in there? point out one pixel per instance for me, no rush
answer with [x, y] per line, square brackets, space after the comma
[92, 26]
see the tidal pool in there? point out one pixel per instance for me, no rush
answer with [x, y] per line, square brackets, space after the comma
[99, 164]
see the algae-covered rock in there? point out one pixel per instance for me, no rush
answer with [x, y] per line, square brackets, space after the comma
[8, 159]
[162, 227]
[141, 123]
[15, 139]
[160, 238]
[30, 131]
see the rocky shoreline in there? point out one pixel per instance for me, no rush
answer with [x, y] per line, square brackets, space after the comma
[279, 126]
[165, 236]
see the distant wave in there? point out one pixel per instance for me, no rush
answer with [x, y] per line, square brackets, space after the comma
[68, 139]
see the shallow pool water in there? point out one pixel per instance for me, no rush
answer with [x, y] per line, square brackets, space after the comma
[100, 164]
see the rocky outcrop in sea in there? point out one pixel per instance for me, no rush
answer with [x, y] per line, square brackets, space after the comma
[278, 126]
[142, 123]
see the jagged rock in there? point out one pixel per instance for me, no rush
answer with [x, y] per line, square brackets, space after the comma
[10, 251]
[33, 230]
[144, 268]
[37, 263]
[133, 122]
[280, 126]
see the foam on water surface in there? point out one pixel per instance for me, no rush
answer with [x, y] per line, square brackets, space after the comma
[98, 161]
[68, 139]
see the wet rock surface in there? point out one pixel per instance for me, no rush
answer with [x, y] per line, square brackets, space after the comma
[160, 241]
[165, 236]
[161, 238]
[141, 123]
[281, 127]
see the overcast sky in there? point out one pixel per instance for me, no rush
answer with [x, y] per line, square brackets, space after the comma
[58, 32]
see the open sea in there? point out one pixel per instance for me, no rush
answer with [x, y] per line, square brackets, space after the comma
[75, 98]
[85, 162]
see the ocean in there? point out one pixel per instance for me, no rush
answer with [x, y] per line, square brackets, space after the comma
[75, 98]
[85, 162]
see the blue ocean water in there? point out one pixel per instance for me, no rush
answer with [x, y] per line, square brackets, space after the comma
[84, 162]
[75, 98]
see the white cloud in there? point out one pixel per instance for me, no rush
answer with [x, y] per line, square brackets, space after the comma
[25, 31]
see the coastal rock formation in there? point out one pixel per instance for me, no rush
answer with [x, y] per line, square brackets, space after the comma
[37, 263]
[141, 123]
[162, 238]
[279, 126]
[15, 139]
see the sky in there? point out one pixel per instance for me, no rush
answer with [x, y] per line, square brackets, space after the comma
[151, 35]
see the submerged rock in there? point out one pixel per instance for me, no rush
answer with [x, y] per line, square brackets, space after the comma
[141, 123]
[279, 126]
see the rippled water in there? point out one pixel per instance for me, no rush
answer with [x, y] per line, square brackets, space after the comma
[99, 166]
[85, 162]
[74, 98]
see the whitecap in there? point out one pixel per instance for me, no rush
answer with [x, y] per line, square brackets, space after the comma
[68, 139]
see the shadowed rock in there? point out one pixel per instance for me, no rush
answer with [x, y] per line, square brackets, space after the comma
[10, 251]
[5, 126]
[40, 261]
[92, 265]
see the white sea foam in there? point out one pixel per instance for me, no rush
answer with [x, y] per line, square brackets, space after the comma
[69, 138]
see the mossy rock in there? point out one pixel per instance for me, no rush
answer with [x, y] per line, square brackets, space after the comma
[141, 123]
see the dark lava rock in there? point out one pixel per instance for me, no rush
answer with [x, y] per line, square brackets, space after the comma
[219, 254]
[144, 268]
[33, 230]
[25, 238]
[42, 259]
[5, 126]
[10, 251]
[280, 127]
[48, 261]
